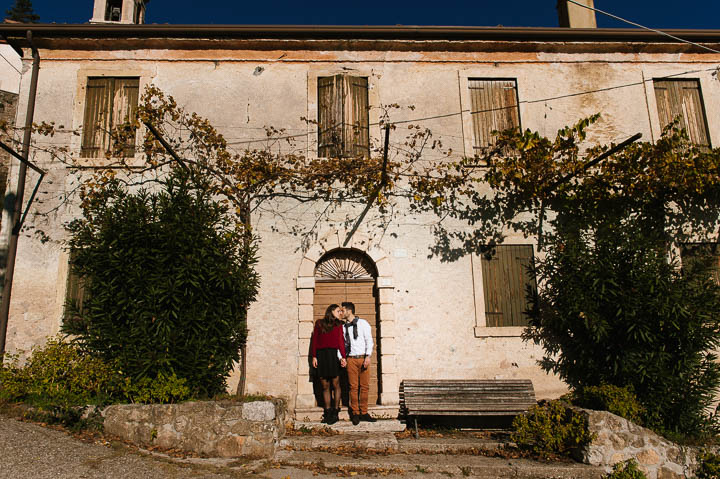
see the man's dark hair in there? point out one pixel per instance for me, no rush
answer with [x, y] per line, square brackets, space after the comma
[349, 305]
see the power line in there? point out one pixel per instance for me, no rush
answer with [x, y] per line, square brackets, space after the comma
[487, 110]
[644, 27]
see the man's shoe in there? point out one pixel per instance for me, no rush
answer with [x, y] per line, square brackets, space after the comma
[355, 419]
[367, 418]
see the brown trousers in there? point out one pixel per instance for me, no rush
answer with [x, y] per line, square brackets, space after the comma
[359, 380]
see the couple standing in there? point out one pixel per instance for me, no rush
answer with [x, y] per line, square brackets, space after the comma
[342, 340]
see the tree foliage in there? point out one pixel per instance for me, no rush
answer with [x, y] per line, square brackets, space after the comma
[613, 306]
[22, 11]
[168, 279]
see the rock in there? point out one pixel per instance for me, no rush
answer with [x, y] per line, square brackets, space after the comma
[258, 411]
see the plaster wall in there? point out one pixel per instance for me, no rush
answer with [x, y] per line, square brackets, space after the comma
[434, 325]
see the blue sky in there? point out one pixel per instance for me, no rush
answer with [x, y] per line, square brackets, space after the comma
[536, 13]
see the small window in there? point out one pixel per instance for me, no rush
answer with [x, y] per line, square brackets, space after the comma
[693, 251]
[343, 118]
[683, 98]
[508, 278]
[109, 103]
[494, 106]
[113, 10]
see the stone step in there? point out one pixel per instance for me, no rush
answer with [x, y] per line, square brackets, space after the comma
[360, 441]
[316, 413]
[445, 465]
[345, 426]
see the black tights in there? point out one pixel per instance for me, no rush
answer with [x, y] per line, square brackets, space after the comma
[326, 391]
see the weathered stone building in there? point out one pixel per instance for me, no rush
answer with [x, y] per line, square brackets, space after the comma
[433, 319]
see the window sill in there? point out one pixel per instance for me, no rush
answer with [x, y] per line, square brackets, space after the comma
[499, 332]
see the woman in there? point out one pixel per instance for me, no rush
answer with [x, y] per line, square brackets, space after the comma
[327, 348]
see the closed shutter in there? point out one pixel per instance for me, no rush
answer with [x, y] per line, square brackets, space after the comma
[494, 108]
[330, 116]
[97, 117]
[507, 275]
[357, 131]
[109, 102]
[683, 98]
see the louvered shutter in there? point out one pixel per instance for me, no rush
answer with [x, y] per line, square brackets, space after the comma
[357, 131]
[330, 115]
[125, 101]
[97, 117]
[494, 108]
[506, 278]
[682, 98]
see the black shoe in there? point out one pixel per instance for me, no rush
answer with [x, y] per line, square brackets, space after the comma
[367, 418]
[327, 414]
[355, 419]
[334, 416]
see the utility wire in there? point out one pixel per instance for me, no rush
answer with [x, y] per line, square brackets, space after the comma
[487, 110]
[643, 26]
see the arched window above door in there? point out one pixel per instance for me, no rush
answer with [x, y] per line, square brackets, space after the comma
[343, 264]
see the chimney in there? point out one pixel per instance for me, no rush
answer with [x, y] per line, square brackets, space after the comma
[575, 16]
[119, 11]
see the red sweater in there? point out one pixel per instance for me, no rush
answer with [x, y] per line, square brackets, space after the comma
[321, 340]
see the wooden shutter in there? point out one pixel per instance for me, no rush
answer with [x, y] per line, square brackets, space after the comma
[683, 98]
[109, 102]
[330, 115]
[357, 130]
[124, 106]
[494, 108]
[97, 117]
[506, 277]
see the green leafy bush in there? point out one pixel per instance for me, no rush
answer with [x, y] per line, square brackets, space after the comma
[59, 374]
[163, 389]
[551, 428]
[606, 397]
[708, 466]
[168, 278]
[626, 470]
[614, 310]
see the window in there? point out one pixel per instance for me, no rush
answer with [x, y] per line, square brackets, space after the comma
[683, 98]
[693, 251]
[343, 119]
[494, 106]
[113, 10]
[508, 276]
[109, 103]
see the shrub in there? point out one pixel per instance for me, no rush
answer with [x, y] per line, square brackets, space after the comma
[708, 466]
[168, 278]
[626, 470]
[551, 428]
[163, 389]
[606, 397]
[614, 310]
[13, 380]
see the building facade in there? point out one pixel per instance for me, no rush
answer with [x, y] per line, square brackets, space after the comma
[432, 319]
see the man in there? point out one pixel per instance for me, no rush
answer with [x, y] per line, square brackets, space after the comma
[359, 346]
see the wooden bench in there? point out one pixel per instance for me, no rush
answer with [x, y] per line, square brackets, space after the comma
[468, 397]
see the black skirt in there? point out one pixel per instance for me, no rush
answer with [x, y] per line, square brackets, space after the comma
[328, 363]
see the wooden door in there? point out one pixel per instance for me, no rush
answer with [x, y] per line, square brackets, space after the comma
[364, 295]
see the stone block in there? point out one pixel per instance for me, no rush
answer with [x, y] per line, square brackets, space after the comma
[390, 383]
[388, 363]
[389, 398]
[387, 313]
[305, 401]
[386, 295]
[305, 296]
[259, 411]
[307, 267]
[305, 330]
[387, 328]
[305, 313]
[385, 282]
[231, 446]
[306, 282]
[303, 366]
[376, 254]
[667, 473]
[304, 347]
[388, 346]
[305, 386]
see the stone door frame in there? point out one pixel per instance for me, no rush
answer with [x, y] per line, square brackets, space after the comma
[305, 398]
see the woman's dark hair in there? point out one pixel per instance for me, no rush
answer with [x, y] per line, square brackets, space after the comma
[328, 322]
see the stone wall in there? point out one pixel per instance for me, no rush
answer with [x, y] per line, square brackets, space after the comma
[618, 439]
[217, 429]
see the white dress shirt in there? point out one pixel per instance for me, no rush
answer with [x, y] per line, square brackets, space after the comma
[363, 345]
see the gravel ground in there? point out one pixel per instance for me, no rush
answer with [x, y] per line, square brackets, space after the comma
[31, 451]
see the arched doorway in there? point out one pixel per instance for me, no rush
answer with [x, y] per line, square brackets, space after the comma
[350, 275]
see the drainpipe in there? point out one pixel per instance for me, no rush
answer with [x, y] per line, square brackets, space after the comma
[20, 193]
